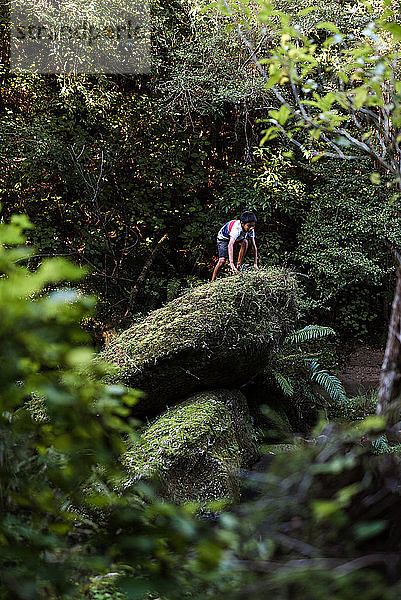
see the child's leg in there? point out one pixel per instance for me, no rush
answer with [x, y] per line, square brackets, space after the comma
[222, 249]
[217, 268]
[242, 252]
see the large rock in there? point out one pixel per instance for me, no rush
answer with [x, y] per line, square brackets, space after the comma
[218, 335]
[196, 449]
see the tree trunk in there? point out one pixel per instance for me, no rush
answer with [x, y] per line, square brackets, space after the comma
[390, 378]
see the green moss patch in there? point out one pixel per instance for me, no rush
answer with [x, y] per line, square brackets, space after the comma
[196, 448]
[355, 408]
[218, 335]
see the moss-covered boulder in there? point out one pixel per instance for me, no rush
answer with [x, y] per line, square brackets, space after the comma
[196, 448]
[218, 335]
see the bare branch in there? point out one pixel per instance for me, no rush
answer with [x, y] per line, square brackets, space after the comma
[310, 152]
[143, 273]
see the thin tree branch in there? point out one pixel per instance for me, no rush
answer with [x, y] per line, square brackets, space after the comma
[143, 273]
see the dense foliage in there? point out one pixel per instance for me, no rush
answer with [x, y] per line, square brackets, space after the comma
[61, 434]
[63, 520]
[131, 177]
[106, 166]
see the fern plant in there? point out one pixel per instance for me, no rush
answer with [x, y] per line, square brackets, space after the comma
[298, 372]
[308, 333]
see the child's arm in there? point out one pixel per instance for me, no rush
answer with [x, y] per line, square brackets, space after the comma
[255, 253]
[231, 255]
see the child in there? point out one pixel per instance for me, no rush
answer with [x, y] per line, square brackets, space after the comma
[238, 231]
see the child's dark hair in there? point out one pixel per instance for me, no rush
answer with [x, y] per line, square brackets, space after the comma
[248, 217]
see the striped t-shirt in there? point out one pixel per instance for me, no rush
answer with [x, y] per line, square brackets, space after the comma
[233, 229]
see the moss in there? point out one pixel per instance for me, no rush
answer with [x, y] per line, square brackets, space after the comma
[355, 408]
[217, 335]
[195, 448]
[102, 588]
[275, 449]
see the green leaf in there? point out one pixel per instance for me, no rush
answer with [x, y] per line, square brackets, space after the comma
[329, 26]
[21, 221]
[328, 510]
[58, 269]
[274, 79]
[284, 383]
[310, 332]
[359, 97]
[326, 102]
[394, 29]
[308, 10]
[343, 76]
[280, 115]
[208, 7]
[368, 530]
[324, 509]
[375, 178]
[269, 134]
[343, 141]
[330, 383]
[346, 494]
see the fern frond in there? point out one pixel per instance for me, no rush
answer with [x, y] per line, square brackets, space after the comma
[313, 397]
[330, 383]
[284, 383]
[279, 421]
[310, 332]
[312, 364]
[295, 357]
[381, 445]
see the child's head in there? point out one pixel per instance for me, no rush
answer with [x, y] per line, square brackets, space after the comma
[248, 220]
